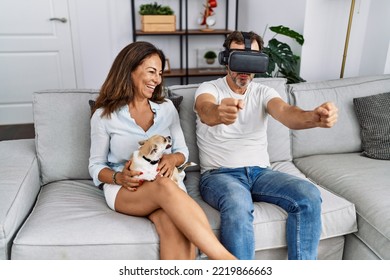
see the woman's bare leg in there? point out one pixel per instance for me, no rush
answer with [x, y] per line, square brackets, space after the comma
[183, 211]
[173, 244]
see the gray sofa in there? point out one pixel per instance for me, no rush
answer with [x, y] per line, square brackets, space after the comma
[50, 209]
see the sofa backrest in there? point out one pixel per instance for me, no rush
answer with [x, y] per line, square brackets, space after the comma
[278, 135]
[188, 119]
[62, 133]
[344, 137]
[62, 128]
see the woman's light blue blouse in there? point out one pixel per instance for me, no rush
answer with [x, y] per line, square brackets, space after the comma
[113, 140]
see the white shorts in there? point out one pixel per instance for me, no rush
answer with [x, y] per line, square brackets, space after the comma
[110, 193]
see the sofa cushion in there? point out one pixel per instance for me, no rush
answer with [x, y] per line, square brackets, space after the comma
[338, 214]
[363, 181]
[62, 128]
[19, 187]
[344, 137]
[373, 113]
[278, 135]
[71, 220]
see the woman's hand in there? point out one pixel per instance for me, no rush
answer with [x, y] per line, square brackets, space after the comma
[126, 178]
[167, 164]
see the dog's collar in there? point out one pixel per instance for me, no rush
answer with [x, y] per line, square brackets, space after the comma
[152, 162]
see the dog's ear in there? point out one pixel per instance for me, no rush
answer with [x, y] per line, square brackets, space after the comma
[150, 149]
[153, 149]
[141, 142]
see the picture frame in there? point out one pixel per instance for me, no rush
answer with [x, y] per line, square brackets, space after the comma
[167, 68]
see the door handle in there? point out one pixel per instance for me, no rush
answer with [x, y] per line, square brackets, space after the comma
[63, 20]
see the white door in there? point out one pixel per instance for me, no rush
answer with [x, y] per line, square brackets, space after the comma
[35, 54]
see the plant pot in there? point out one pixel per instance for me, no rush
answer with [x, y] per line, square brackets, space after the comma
[158, 23]
[210, 60]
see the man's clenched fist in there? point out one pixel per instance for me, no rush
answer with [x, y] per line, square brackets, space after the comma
[228, 110]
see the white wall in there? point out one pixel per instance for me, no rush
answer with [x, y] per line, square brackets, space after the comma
[259, 15]
[325, 33]
[376, 44]
[103, 27]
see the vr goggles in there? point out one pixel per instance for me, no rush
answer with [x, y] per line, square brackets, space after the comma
[244, 61]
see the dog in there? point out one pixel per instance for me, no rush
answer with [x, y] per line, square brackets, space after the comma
[147, 157]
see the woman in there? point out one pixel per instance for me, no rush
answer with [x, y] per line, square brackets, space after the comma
[131, 107]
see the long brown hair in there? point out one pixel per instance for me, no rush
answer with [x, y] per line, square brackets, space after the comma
[118, 88]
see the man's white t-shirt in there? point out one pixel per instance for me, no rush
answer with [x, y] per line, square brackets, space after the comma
[243, 143]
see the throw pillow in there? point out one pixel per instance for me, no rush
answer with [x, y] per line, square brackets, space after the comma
[91, 104]
[176, 99]
[373, 113]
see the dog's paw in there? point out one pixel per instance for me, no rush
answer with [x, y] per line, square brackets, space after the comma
[148, 176]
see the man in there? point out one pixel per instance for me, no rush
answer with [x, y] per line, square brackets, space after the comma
[231, 134]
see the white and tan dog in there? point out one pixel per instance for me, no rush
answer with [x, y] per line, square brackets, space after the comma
[147, 157]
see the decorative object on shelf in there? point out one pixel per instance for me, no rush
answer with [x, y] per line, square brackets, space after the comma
[210, 57]
[206, 58]
[208, 16]
[167, 68]
[282, 61]
[185, 68]
[157, 18]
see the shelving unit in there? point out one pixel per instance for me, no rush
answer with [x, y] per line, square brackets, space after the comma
[184, 33]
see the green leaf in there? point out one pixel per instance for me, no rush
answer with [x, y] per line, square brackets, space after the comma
[282, 55]
[271, 62]
[155, 9]
[210, 55]
[283, 30]
[282, 61]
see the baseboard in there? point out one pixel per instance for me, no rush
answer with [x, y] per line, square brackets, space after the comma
[16, 113]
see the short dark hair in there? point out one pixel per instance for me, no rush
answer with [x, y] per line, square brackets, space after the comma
[236, 36]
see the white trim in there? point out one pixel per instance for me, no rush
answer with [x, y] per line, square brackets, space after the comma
[78, 65]
[18, 113]
[386, 70]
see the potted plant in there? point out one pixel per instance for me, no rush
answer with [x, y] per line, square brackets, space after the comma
[210, 57]
[282, 61]
[157, 18]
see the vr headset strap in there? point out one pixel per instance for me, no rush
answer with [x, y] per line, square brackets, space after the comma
[247, 40]
[244, 61]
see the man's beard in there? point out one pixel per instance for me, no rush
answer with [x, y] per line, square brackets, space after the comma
[238, 82]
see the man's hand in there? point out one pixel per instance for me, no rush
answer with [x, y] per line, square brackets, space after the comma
[228, 110]
[326, 115]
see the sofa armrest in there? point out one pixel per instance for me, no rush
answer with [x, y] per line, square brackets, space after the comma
[19, 187]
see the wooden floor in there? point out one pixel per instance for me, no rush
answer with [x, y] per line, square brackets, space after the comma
[19, 131]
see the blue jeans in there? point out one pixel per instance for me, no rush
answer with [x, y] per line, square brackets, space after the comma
[232, 192]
